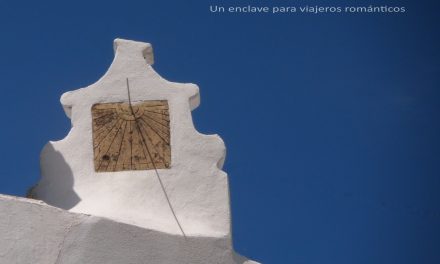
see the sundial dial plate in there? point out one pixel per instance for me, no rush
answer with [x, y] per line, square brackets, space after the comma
[131, 139]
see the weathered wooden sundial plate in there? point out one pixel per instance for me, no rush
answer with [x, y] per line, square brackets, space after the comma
[131, 139]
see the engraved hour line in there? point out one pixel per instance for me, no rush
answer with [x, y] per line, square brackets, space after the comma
[155, 169]
[134, 116]
[163, 139]
[131, 145]
[100, 163]
[151, 141]
[97, 148]
[162, 105]
[163, 119]
[119, 150]
[131, 130]
[109, 131]
[103, 133]
[110, 145]
[157, 116]
[163, 128]
[104, 127]
[159, 113]
[120, 147]
[142, 146]
[155, 127]
[154, 118]
[99, 127]
[162, 135]
[156, 121]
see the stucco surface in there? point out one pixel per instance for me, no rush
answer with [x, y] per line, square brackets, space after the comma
[34, 232]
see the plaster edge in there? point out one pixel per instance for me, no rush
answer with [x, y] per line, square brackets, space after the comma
[76, 228]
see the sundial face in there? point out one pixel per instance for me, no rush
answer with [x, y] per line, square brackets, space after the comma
[131, 137]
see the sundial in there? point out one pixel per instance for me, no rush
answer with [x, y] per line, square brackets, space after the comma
[129, 136]
[133, 154]
[134, 157]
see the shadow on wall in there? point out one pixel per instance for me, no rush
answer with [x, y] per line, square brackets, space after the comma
[56, 188]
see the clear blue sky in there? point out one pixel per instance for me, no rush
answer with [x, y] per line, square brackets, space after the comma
[331, 121]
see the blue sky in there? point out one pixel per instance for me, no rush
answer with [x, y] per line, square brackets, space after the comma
[331, 121]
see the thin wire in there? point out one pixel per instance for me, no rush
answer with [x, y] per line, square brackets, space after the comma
[154, 165]
[129, 100]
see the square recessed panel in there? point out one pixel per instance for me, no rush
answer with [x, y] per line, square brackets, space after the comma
[131, 139]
